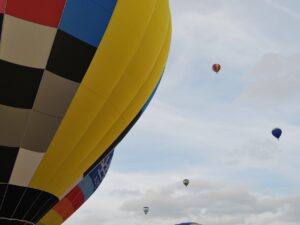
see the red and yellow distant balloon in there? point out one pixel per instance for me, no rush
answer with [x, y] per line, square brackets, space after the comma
[216, 67]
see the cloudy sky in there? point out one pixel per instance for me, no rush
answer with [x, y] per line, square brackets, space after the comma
[214, 129]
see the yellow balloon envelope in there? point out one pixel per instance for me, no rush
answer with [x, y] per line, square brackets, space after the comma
[75, 77]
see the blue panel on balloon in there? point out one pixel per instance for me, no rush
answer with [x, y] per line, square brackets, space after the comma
[107, 4]
[97, 175]
[99, 172]
[87, 187]
[86, 20]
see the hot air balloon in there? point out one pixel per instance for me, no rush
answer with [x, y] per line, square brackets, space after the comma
[146, 210]
[75, 77]
[216, 67]
[186, 182]
[276, 132]
[189, 223]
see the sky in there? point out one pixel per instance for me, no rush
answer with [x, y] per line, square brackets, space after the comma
[214, 129]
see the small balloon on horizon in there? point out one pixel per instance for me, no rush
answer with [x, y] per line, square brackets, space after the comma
[146, 210]
[189, 223]
[186, 182]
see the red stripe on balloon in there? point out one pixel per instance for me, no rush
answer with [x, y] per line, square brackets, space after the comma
[2, 5]
[45, 12]
[76, 197]
[64, 208]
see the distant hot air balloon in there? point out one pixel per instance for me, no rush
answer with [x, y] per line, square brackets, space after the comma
[277, 132]
[73, 82]
[146, 210]
[189, 223]
[186, 182]
[216, 67]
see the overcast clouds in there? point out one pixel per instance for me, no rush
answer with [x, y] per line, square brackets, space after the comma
[214, 129]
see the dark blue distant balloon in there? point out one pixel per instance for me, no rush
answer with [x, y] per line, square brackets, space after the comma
[277, 132]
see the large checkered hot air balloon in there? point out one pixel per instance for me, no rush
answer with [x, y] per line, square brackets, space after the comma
[75, 75]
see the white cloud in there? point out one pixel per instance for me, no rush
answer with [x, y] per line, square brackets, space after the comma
[273, 84]
[204, 201]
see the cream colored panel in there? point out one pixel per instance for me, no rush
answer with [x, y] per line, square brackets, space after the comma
[26, 43]
[25, 166]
